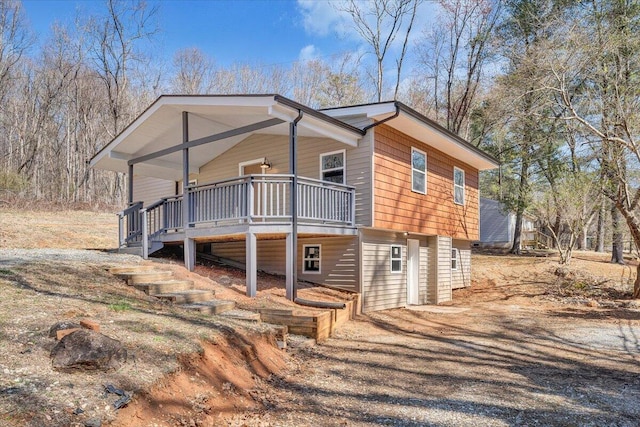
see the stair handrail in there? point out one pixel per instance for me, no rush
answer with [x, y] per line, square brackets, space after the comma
[145, 233]
[132, 230]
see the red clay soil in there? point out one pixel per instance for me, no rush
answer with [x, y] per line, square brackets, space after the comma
[211, 385]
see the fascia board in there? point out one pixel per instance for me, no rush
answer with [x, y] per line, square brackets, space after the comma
[370, 111]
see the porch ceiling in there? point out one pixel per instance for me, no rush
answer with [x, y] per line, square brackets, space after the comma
[160, 127]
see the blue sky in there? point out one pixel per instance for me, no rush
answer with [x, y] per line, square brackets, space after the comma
[255, 31]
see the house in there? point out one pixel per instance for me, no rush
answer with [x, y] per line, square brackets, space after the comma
[498, 225]
[385, 201]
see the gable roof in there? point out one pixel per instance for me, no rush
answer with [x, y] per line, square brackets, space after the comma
[159, 127]
[409, 121]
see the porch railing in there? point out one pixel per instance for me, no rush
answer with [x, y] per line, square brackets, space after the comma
[266, 199]
[130, 225]
[246, 199]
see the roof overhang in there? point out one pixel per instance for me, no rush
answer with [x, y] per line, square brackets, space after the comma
[159, 127]
[421, 128]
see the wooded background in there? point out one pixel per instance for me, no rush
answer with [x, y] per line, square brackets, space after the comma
[549, 87]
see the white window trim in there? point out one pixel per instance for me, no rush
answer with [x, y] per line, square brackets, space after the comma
[464, 196]
[304, 264]
[391, 259]
[455, 256]
[425, 171]
[257, 161]
[344, 165]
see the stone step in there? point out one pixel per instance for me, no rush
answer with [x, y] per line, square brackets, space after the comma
[150, 276]
[217, 306]
[130, 269]
[246, 315]
[187, 297]
[165, 286]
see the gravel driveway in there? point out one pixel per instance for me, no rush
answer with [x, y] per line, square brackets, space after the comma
[10, 257]
[491, 365]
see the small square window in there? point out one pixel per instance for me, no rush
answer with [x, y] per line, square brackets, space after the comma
[332, 167]
[396, 258]
[454, 259]
[311, 261]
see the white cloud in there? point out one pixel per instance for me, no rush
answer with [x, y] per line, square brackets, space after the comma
[308, 53]
[321, 18]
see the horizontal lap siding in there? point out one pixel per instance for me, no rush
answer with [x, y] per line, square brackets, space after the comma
[423, 294]
[396, 207]
[339, 257]
[444, 269]
[461, 278]
[338, 263]
[276, 149]
[381, 288]
[270, 254]
[150, 190]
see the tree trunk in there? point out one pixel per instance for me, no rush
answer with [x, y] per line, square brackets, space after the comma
[617, 246]
[522, 194]
[600, 235]
[517, 233]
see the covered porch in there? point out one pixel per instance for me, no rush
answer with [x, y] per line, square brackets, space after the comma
[245, 206]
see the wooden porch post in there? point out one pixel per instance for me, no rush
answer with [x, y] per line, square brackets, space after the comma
[292, 255]
[289, 276]
[251, 265]
[189, 244]
[130, 186]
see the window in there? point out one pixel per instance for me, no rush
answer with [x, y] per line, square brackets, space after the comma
[458, 186]
[396, 258]
[332, 166]
[454, 259]
[311, 262]
[418, 171]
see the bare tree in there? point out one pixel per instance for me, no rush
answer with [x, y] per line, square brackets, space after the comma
[194, 72]
[342, 84]
[113, 49]
[15, 39]
[453, 55]
[596, 83]
[378, 22]
[573, 200]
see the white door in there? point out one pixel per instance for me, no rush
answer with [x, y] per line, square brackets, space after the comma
[413, 271]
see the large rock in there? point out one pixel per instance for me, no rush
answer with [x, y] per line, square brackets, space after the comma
[61, 326]
[88, 350]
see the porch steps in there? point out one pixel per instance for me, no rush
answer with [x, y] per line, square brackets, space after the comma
[162, 285]
[146, 276]
[246, 315]
[215, 306]
[187, 297]
[165, 286]
[130, 269]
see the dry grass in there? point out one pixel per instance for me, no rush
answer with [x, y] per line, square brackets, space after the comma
[34, 229]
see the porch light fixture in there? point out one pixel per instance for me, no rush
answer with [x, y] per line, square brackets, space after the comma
[265, 165]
